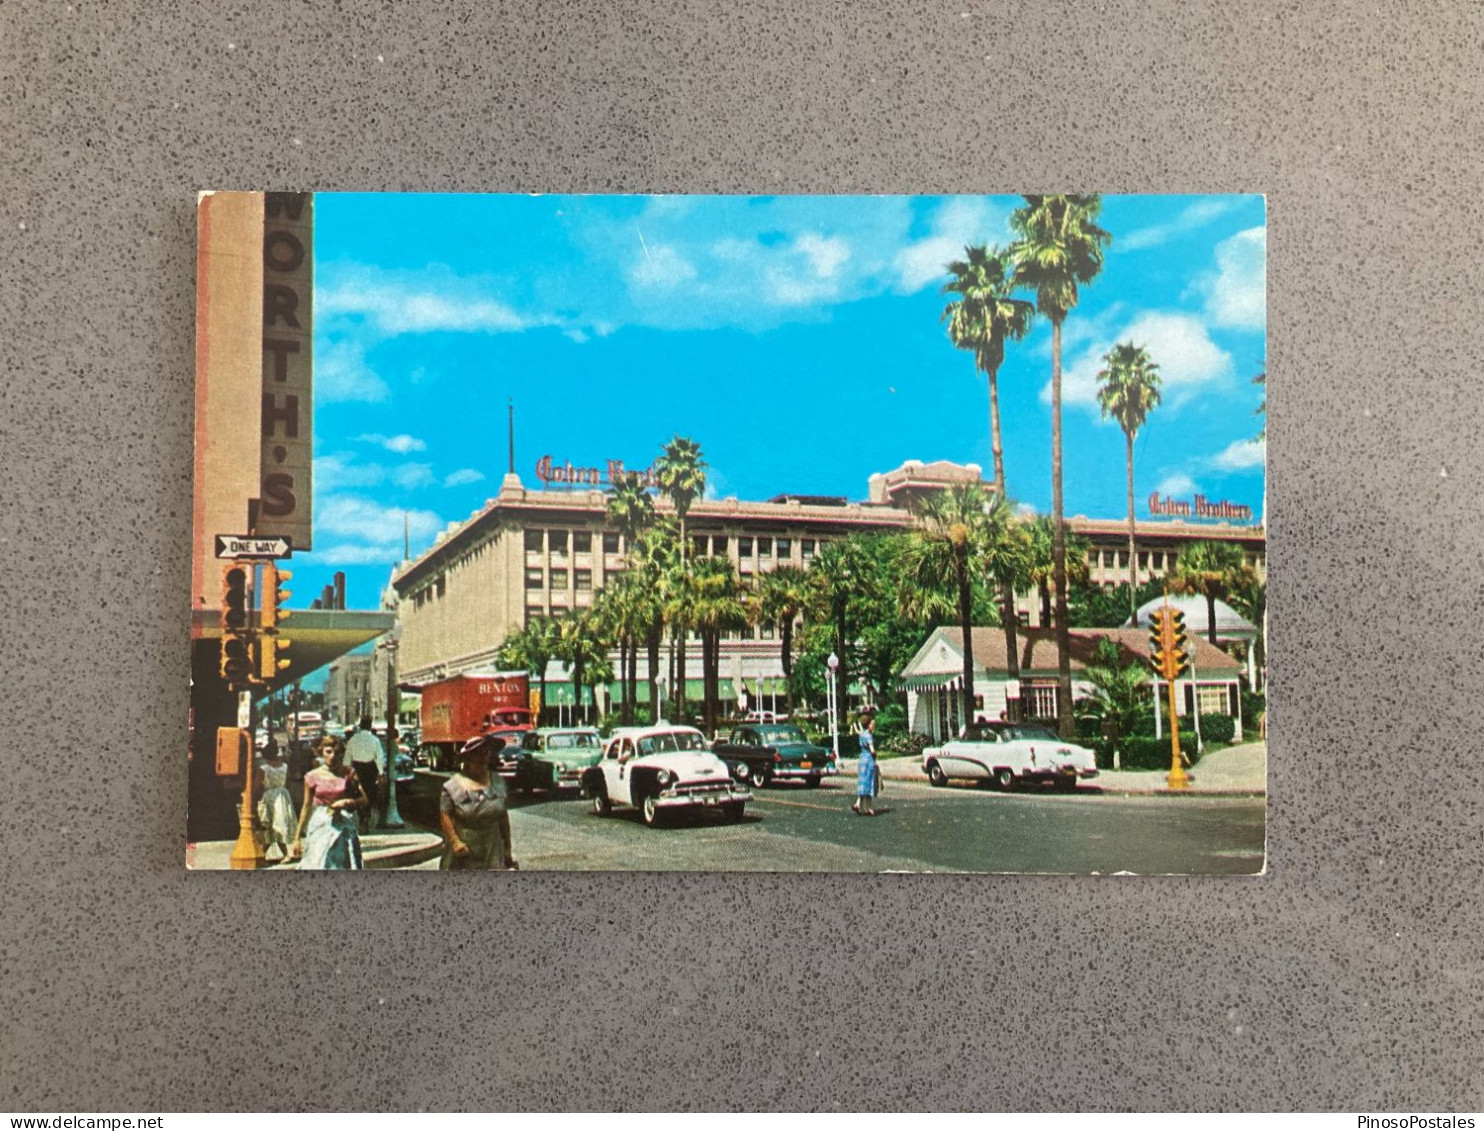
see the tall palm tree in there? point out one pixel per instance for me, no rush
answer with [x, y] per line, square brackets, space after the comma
[1128, 391]
[532, 648]
[682, 477]
[1059, 248]
[630, 506]
[619, 611]
[781, 596]
[1211, 570]
[1042, 562]
[581, 647]
[983, 318]
[720, 606]
[841, 572]
[655, 558]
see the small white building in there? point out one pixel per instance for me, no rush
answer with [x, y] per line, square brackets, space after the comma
[933, 679]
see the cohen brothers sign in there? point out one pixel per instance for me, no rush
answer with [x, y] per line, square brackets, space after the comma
[1199, 507]
[566, 475]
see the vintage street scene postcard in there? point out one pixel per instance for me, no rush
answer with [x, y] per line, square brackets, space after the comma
[730, 533]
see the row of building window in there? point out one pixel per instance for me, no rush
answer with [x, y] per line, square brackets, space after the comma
[581, 542]
[1120, 557]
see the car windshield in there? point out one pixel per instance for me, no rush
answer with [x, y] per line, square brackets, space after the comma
[981, 732]
[671, 742]
[572, 742]
[1035, 733]
[776, 735]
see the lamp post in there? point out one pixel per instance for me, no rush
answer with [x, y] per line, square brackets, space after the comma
[392, 818]
[834, 693]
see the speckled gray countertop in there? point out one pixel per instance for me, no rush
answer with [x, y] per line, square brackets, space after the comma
[1351, 976]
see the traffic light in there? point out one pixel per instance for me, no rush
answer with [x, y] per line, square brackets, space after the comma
[272, 645]
[1157, 641]
[237, 636]
[1178, 656]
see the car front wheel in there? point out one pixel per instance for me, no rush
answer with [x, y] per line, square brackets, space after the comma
[601, 805]
[936, 774]
[1004, 778]
[759, 777]
[651, 810]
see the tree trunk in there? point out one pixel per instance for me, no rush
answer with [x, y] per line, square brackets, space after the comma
[1065, 723]
[1012, 645]
[680, 711]
[786, 631]
[966, 622]
[1210, 617]
[996, 448]
[652, 641]
[1045, 591]
[577, 708]
[1133, 574]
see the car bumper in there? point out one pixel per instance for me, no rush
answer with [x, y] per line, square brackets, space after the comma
[702, 800]
[784, 773]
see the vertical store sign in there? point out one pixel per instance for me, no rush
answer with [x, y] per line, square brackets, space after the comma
[283, 506]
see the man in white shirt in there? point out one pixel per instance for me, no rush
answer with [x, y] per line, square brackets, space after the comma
[368, 759]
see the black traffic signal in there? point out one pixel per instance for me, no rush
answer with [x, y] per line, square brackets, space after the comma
[1157, 641]
[237, 636]
[1179, 647]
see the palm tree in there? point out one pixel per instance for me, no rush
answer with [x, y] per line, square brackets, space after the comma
[532, 648]
[580, 645]
[781, 596]
[719, 606]
[1262, 409]
[1213, 570]
[1042, 562]
[1129, 389]
[655, 556]
[619, 611]
[983, 318]
[1060, 247]
[682, 476]
[630, 506]
[841, 573]
[1119, 692]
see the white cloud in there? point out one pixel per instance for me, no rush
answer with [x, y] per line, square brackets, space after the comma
[826, 255]
[1193, 216]
[399, 444]
[461, 476]
[1241, 455]
[960, 222]
[417, 302]
[341, 374]
[1178, 343]
[361, 526]
[338, 470]
[411, 476]
[1176, 483]
[660, 266]
[1237, 295]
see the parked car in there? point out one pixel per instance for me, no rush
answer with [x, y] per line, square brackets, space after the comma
[764, 717]
[406, 771]
[762, 753]
[661, 769]
[1001, 754]
[554, 758]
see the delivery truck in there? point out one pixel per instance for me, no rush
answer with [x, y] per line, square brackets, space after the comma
[456, 709]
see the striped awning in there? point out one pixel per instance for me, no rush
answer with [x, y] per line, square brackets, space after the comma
[938, 681]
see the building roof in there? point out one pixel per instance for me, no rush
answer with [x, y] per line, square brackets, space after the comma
[1038, 651]
[1229, 622]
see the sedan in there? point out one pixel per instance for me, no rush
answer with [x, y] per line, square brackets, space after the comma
[1001, 754]
[763, 753]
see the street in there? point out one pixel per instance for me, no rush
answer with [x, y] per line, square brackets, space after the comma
[922, 829]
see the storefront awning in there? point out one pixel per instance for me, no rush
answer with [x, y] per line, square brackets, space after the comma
[952, 681]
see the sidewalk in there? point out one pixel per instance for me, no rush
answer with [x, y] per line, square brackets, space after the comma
[395, 848]
[1239, 771]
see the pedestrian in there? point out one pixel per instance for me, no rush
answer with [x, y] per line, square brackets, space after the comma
[332, 793]
[472, 813]
[275, 803]
[368, 760]
[867, 774]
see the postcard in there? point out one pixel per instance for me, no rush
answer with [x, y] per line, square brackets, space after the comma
[904, 534]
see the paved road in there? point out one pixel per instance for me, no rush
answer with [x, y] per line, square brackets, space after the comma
[923, 830]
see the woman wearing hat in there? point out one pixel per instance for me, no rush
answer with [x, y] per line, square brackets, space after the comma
[867, 777]
[472, 812]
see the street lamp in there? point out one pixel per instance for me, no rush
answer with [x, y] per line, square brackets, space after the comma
[834, 695]
[392, 818]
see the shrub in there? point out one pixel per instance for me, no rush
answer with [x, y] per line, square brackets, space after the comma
[1254, 703]
[1145, 752]
[1218, 728]
[907, 745]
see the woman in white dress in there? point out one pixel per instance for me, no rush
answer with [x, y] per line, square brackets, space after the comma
[276, 814]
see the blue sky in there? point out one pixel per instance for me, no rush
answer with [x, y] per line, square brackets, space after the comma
[796, 338]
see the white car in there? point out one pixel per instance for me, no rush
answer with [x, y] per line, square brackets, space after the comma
[1002, 754]
[659, 769]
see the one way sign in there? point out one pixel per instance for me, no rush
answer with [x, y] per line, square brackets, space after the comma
[251, 546]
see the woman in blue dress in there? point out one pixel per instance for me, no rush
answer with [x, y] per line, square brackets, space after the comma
[867, 776]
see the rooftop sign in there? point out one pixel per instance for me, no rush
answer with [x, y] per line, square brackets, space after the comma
[1199, 507]
[569, 476]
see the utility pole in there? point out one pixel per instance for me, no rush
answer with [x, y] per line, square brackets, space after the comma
[392, 819]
